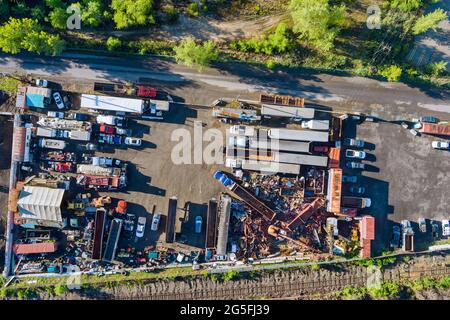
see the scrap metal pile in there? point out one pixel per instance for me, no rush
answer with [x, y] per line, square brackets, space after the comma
[301, 215]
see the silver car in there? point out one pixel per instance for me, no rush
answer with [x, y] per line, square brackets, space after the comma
[354, 143]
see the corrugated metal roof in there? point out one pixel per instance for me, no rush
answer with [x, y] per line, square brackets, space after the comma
[45, 92]
[19, 140]
[224, 220]
[40, 203]
[33, 248]
[366, 248]
[34, 100]
[367, 228]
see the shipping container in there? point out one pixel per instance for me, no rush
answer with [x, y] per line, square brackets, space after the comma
[435, 129]
[356, 202]
[112, 104]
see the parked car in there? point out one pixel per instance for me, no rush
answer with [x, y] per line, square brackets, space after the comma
[155, 221]
[445, 228]
[429, 119]
[349, 179]
[355, 154]
[395, 238]
[198, 224]
[355, 165]
[105, 128]
[124, 132]
[443, 145]
[354, 143]
[55, 114]
[422, 225]
[109, 139]
[106, 162]
[42, 83]
[58, 100]
[78, 116]
[357, 190]
[141, 227]
[133, 141]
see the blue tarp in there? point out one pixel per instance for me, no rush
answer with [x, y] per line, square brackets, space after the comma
[35, 100]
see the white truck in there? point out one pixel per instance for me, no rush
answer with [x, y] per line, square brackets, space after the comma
[52, 144]
[323, 125]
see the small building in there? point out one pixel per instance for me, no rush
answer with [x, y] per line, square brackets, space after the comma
[367, 234]
[334, 191]
[41, 206]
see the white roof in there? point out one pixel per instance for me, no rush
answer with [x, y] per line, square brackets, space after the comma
[40, 203]
[118, 104]
[288, 112]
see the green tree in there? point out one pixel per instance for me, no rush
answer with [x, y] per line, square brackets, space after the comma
[26, 34]
[391, 73]
[406, 5]
[429, 21]
[54, 3]
[38, 13]
[113, 43]
[92, 13]
[193, 9]
[58, 18]
[192, 54]
[317, 22]
[20, 9]
[132, 13]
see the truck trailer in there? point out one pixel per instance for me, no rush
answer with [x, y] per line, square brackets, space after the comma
[355, 202]
[52, 144]
[323, 125]
[295, 113]
[117, 105]
[435, 129]
[298, 135]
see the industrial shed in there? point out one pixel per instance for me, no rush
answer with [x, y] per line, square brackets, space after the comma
[41, 206]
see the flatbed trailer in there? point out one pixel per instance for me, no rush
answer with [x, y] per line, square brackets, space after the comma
[99, 227]
[280, 145]
[171, 219]
[113, 240]
[282, 100]
[303, 159]
[211, 225]
[296, 113]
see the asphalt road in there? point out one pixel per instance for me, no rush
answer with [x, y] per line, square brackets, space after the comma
[235, 79]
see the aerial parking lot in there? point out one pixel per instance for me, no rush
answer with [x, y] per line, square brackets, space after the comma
[154, 178]
[405, 176]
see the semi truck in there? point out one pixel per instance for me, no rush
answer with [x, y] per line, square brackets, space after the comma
[355, 202]
[113, 239]
[117, 105]
[52, 144]
[323, 125]
[298, 135]
[435, 129]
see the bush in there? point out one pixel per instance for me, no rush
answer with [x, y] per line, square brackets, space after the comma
[190, 53]
[436, 69]
[315, 267]
[391, 73]
[278, 42]
[151, 47]
[61, 289]
[230, 275]
[386, 290]
[113, 44]
[270, 64]
[193, 9]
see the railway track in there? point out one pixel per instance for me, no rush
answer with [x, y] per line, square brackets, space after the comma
[288, 288]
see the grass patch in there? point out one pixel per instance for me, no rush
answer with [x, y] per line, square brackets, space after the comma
[9, 85]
